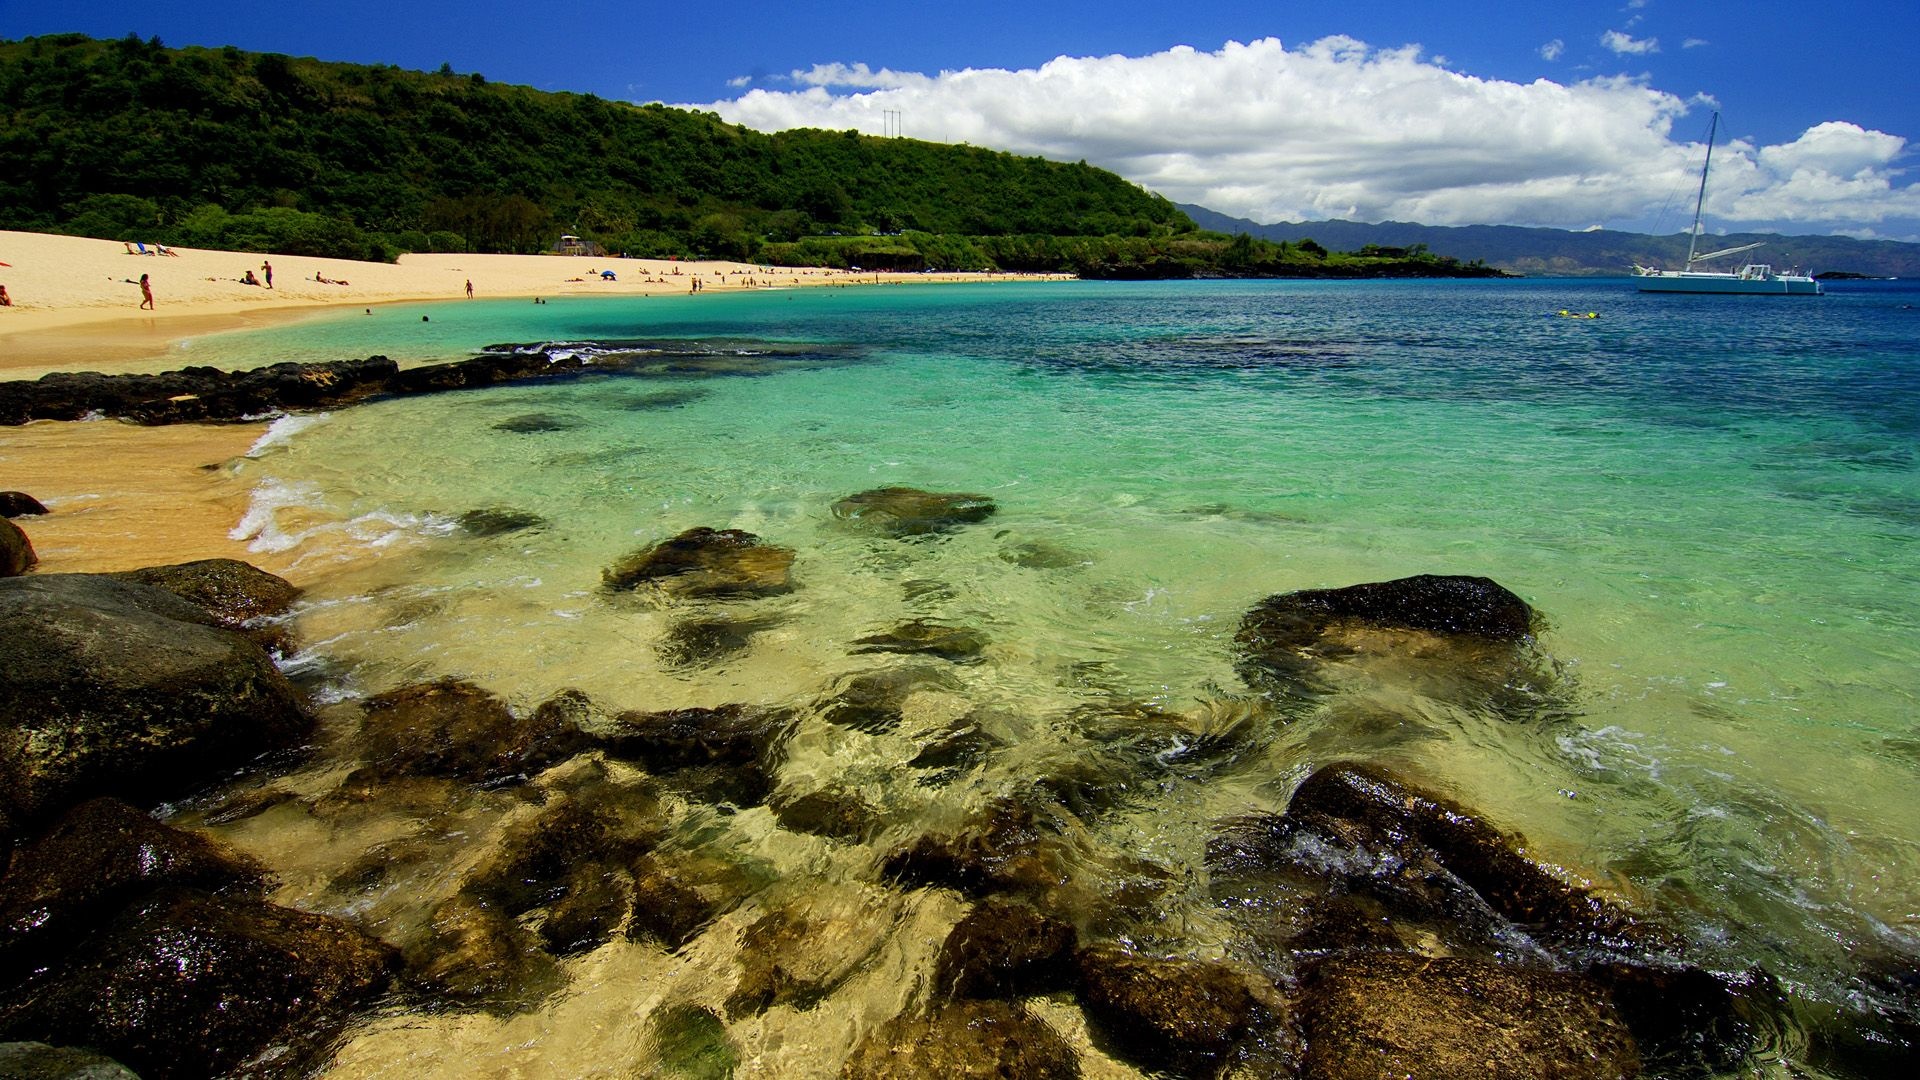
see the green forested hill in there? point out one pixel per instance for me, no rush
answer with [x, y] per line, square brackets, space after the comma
[129, 139]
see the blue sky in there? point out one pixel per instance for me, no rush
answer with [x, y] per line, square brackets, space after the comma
[1567, 114]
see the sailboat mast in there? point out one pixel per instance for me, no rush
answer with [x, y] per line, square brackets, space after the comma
[1693, 235]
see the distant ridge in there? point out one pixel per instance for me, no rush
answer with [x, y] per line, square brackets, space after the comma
[1545, 252]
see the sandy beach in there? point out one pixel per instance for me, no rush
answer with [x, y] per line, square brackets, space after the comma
[124, 496]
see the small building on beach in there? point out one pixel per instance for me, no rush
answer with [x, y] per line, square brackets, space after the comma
[573, 245]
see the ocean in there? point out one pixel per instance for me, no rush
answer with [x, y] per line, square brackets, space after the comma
[1713, 504]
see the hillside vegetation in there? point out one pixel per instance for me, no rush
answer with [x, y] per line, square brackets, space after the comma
[132, 140]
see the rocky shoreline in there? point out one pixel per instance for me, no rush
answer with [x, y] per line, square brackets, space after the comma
[1372, 927]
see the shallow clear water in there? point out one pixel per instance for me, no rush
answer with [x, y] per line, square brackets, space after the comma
[1714, 502]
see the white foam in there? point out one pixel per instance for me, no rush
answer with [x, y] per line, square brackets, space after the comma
[284, 429]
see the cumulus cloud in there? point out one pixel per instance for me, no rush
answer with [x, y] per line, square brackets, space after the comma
[1629, 46]
[1337, 128]
[1552, 50]
[1694, 43]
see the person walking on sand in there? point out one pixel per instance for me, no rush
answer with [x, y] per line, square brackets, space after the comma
[266, 270]
[469, 288]
[146, 294]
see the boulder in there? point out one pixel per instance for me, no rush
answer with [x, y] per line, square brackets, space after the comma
[1397, 1014]
[965, 1040]
[905, 511]
[498, 521]
[234, 593]
[16, 551]
[100, 856]
[185, 984]
[705, 563]
[1426, 858]
[15, 504]
[38, 1061]
[112, 686]
[452, 728]
[1177, 1015]
[1005, 948]
[1688, 1021]
[920, 637]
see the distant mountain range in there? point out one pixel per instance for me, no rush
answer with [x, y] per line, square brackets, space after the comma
[1552, 252]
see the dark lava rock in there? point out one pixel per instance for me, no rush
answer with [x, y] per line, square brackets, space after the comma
[675, 897]
[455, 729]
[1184, 1016]
[537, 859]
[16, 551]
[904, 511]
[965, 1040]
[184, 984]
[195, 393]
[475, 954]
[1394, 1014]
[1006, 848]
[703, 642]
[234, 593]
[113, 687]
[498, 521]
[15, 504]
[704, 563]
[918, 637]
[38, 1061]
[871, 702]
[1285, 634]
[1358, 830]
[723, 754]
[1005, 948]
[98, 858]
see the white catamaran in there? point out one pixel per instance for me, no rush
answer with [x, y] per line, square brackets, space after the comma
[1756, 278]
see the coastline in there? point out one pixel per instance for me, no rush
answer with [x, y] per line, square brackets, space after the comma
[124, 496]
[76, 300]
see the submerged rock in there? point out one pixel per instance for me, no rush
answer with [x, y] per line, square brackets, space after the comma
[109, 686]
[1005, 948]
[1183, 1016]
[1395, 1014]
[1468, 620]
[475, 954]
[15, 504]
[691, 1043]
[498, 521]
[873, 701]
[102, 855]
[1007, 847]
[453, 728]
[1692, 1022]
[798, 954]
[919, 637]
[184, 984]
[537, 423]
[724, 754]
[703, 642]
[16, 551]
[965, 1040]
[842, 815]
[905, 511]
[676, 896]
[704, 563]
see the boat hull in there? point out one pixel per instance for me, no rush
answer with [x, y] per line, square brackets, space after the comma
[1678, 281]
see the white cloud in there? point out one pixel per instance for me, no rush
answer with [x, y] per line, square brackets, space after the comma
[1694, 43]
[1552, 50]
[740, 82]
[1629, 46]
[1338, 128]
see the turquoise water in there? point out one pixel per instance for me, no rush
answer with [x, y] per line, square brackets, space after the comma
[1714, 502]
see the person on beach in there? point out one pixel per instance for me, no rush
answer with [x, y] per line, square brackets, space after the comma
[146, 294]
[266, 270]
[249, 279]
[5, 300]
[469, 288]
